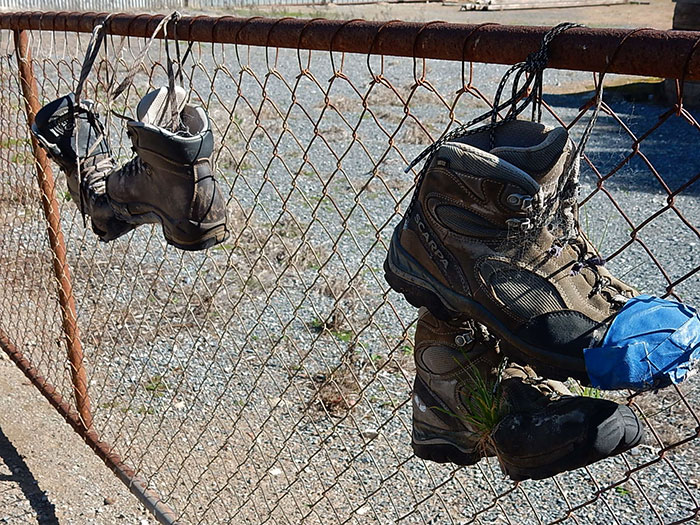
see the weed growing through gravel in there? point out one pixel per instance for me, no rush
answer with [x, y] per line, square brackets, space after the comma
[622, 491]
[156, 385]
[343, 335]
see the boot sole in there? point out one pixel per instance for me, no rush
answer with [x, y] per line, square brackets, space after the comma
[408, 277]
[194, 236]
[441, 452]
[212, 237]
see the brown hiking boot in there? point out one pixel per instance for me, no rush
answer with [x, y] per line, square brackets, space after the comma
[447, 358]
[492, 234]
[171, 181]
[465, 408]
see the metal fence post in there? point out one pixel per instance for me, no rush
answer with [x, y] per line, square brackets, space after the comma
[58, 247]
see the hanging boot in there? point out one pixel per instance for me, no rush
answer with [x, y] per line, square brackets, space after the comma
[171, 181]
[448, 357]
[483, 238]
[465, 408]
[87, 157]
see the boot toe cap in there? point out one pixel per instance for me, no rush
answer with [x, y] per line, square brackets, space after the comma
[541, 447]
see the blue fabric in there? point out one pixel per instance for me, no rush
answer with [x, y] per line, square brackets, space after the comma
[651, 343]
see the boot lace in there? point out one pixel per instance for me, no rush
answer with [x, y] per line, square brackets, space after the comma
[588, 258]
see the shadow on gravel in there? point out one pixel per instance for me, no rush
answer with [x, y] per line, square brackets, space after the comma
[23, 477]
[671, 148]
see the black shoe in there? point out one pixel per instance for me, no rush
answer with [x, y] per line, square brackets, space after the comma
[88, 158]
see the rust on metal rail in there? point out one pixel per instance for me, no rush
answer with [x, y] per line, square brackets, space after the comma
[58, 246]
[137, 485]
[649, 52]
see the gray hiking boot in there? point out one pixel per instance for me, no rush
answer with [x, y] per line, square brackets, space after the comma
[465, 408]
[492, 234]
[171, 181]
[88, 158]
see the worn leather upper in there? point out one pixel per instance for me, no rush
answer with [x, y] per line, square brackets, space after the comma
[486, 224]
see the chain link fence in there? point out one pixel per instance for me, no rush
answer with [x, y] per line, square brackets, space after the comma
[268, 379]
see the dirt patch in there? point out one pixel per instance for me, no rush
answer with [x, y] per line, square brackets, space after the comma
[657, 14]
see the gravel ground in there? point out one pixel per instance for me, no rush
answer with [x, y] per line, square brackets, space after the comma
[268, 379]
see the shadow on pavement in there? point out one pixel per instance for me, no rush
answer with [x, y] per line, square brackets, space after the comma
[23, 477]
[670, 148]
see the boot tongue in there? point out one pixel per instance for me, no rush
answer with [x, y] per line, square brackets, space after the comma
[154, 107]
[537, 160]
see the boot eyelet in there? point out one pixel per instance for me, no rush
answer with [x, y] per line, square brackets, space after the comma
[519, 224]
[464, 339]
[519, 201]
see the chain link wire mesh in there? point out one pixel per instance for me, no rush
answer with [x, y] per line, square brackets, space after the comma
[30, 307]
[268, 379]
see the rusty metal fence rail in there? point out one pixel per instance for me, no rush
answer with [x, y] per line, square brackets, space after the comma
[267, 380]
[120, 6]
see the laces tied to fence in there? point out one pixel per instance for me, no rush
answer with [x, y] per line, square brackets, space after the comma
[98, 40]
[522, 96]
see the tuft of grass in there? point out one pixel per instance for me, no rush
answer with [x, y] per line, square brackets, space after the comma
[622, 491]
[21, 157]
[11, 142]
[316, 324]
[344, 335]
[597, 243]
[485, 405]
[484, 402]
[157, 385]
[590, 391]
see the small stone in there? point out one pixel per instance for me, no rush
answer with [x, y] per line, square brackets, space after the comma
[275, 471]
[109, 500]
[370, 434]
[179, 405]
[362, 511]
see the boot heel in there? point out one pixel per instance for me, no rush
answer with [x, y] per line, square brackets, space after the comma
[196, 238]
